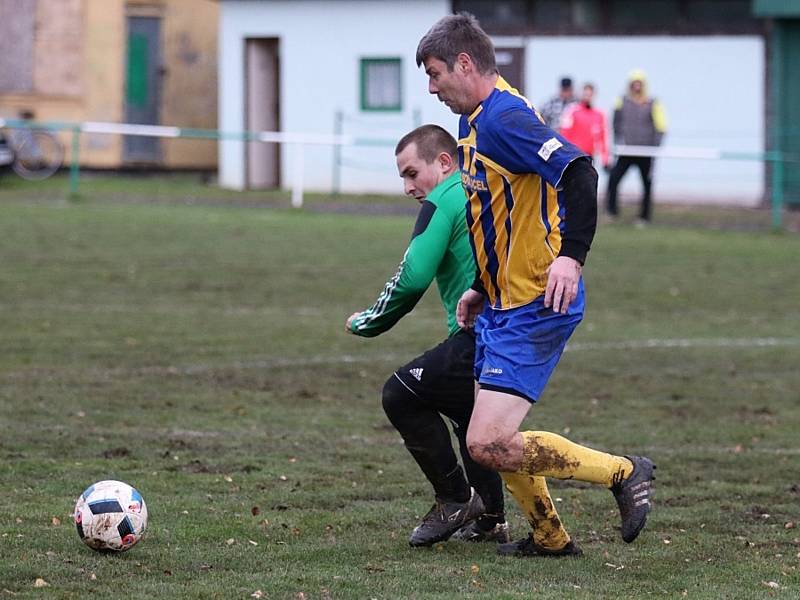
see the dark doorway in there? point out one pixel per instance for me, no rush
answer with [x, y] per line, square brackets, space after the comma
[262, 111]
[511, 64]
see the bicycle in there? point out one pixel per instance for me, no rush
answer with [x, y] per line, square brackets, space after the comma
[34, 153]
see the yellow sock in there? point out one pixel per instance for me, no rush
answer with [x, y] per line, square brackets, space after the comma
[550, 455]
[534, 499]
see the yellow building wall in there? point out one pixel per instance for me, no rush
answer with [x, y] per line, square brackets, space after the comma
[80, 74]
[104, 79]
[190, 84]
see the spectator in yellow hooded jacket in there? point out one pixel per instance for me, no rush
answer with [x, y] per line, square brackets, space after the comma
[639, 120]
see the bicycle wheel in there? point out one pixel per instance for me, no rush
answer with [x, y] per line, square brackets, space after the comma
[39, 154]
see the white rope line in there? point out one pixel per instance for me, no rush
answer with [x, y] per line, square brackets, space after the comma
[307, 361]
[658, 343]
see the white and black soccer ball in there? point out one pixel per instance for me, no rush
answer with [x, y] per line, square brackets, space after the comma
[110, 516]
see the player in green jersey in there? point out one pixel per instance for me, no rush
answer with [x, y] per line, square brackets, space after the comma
[440, 382]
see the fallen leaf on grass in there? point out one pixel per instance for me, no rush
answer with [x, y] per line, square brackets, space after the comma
[251, 542]
[55, 521]
[93, 577]
[230, 541]
[39, 583]
[257, 594]
[255, 511]
[370, 568]
[299, 596]
[475, 569]
[772, 584]
[789, 525]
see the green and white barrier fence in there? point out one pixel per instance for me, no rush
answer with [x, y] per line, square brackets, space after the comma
[298, 141]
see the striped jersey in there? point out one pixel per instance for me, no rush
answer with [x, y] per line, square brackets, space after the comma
[511, 166]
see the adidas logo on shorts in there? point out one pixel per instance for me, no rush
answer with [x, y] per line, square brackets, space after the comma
[417, 373]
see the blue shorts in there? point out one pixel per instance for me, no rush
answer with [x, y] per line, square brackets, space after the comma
[516, 350]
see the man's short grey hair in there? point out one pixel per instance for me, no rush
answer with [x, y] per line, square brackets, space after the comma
[454, 34]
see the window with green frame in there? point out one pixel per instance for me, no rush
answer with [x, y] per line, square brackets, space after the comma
[381, 84]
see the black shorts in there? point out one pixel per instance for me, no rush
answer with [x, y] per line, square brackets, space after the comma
[443, 377]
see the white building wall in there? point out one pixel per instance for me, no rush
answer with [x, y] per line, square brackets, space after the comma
[712, 89]
[321, 44]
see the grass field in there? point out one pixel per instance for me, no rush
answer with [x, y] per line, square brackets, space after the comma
[196, 351]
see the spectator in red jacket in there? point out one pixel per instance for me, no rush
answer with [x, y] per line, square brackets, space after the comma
[585, 126]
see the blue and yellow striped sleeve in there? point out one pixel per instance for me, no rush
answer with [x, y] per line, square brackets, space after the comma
[523, 144]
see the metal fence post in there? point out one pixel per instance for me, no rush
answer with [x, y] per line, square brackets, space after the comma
[74, 167]
[336, 178]
[297, 179]
[416, 117]
[777, 192]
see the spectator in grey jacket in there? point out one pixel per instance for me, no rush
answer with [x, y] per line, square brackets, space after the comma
[552, 110]
[638, 121]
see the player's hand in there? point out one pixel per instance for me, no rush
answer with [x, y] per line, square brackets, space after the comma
[469, 307]
[350, 319]
[562, 283]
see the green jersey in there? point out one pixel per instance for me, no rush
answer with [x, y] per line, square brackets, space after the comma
[439, 249]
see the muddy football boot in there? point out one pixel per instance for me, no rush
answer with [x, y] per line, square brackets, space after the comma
[473, 532]
[444, 519]
[527, 547]
[633, 497]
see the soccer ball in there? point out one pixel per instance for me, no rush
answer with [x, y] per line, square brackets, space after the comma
[110, 516]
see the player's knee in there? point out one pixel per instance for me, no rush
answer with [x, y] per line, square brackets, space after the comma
[396, 399]
[488, 450]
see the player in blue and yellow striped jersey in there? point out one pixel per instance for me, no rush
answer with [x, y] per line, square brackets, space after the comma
[532, 213]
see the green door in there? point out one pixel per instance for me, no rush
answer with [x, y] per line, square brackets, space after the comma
[143, 87]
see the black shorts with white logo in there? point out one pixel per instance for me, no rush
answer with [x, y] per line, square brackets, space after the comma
[443, 377]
